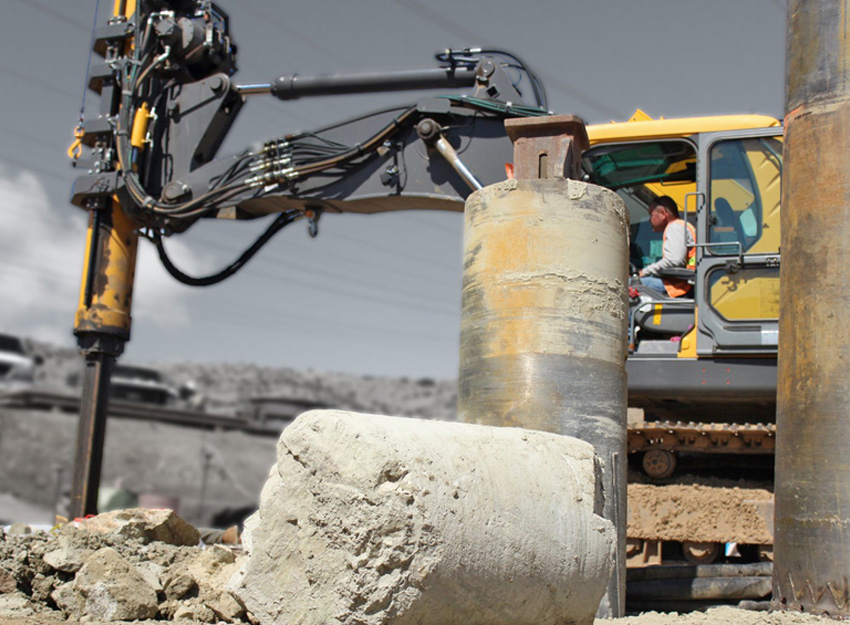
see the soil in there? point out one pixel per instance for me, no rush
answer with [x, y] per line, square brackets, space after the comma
[719, 616]
[715, 616]
[699, 513]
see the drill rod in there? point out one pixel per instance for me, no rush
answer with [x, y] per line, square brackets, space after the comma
[91, 432]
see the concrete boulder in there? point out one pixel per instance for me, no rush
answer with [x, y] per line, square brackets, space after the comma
[146, 525]
[377, 520]
[110, 589]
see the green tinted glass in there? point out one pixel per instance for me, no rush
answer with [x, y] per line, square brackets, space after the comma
[640, 163]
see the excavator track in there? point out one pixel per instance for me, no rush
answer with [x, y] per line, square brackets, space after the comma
[658, 440]
[731, 438]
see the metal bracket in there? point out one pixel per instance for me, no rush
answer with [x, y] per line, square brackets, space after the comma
[547, 147]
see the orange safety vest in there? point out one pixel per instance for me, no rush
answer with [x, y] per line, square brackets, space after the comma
[675, 287]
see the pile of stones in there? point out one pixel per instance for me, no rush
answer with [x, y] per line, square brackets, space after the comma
[119, 566]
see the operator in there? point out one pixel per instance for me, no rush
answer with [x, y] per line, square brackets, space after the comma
[678, 249]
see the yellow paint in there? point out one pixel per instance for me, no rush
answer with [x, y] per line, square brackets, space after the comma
[86, 258]
[768, 176]
[112, 291]
[140, 126]
[645, 129]
[124, 7]
[688, 344]
[656, 314]
[749, 294]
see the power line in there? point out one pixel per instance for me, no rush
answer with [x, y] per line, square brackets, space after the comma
[31, 168]
[395, 252]
[35, 81]
[29, 137]
[275, 321]
[380, 298]
[314, 270]
[268, 18]
[354, 295]
[272, 316]
[431, 224]
[351, 294]
[35, 4]
[419, 9]
[380, 266]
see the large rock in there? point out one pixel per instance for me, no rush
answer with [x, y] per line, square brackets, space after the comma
[146, 525]
[7, 582]
[67, 558]
[376, 520]
[15, 605]
[111, 589]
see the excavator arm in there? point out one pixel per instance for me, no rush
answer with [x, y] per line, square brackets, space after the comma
[168, 100]
[168, 74]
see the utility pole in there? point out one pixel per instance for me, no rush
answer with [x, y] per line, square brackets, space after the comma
[812, 527]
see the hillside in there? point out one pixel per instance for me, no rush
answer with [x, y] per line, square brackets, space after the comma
[208, 471]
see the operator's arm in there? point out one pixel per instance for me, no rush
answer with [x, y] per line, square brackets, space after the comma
[675, 251]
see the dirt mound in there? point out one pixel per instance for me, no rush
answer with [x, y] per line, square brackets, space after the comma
[698, 512]
[719, 616]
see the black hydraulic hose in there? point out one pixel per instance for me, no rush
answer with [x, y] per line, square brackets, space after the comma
[359, 149]
[278, 224]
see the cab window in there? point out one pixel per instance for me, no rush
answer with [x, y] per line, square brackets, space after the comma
[744, 196]
[640, 172]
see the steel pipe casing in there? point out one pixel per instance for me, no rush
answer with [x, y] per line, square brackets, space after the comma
[812, 542]
[544, 322]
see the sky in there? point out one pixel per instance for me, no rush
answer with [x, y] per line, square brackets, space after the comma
[372, 294]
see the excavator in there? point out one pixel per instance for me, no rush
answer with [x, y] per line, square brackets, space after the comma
[702, 366]
[708, 357]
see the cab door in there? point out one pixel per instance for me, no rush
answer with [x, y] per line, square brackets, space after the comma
[737, 282]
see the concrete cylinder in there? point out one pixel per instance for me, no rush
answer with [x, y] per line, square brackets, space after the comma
[812, 516]
[543, 326]
[377, 520]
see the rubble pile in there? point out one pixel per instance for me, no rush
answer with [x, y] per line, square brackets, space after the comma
[119, 566]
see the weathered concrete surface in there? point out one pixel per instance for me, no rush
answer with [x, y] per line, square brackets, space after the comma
[377, 520]
[110, 589]
[146, 525]
[543, 326]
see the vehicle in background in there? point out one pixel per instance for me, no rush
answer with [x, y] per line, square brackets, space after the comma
[709, 356]
[17, 369]
[136, 384]
[141, 384]
[701, 367]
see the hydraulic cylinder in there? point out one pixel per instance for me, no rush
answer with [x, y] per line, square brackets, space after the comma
[812, 514]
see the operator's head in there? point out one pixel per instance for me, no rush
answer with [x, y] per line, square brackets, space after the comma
[662, 211]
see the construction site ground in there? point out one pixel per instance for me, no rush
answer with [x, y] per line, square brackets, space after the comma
[213, 471]
[717, 616]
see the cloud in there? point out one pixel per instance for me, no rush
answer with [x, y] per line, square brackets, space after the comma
[42, 243]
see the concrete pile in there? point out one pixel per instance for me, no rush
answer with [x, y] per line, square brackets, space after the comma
[119, 566]
[382, 520]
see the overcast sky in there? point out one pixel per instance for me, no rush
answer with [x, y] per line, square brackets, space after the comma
[372, 294]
